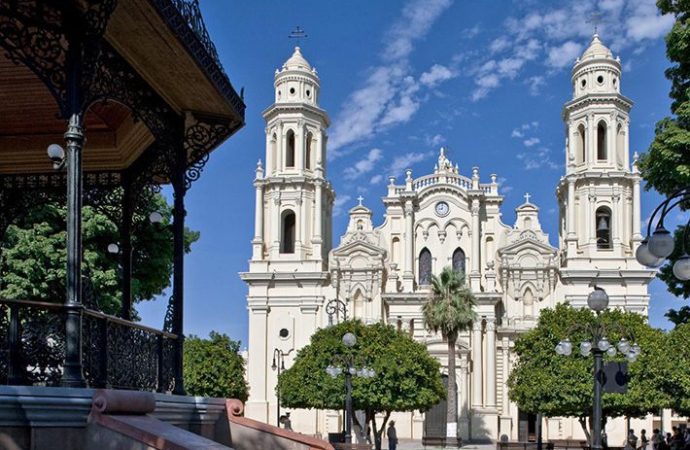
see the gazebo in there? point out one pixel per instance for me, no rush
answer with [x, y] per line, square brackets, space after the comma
[134, 92]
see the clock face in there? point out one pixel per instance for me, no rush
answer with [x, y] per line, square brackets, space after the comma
[442, 209]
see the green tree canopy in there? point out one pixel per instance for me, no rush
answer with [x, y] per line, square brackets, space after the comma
[214, 368]
[666, 165]
[547, 383]
[450, 311]
[678, 353]
[679, 316]
[33, 254]
[407, 377]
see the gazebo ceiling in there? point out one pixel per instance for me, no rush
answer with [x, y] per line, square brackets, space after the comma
[30, 123]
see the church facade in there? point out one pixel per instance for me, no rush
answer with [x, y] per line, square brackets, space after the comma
[382, 272]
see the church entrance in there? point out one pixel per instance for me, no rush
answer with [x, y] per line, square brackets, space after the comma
[435, 421]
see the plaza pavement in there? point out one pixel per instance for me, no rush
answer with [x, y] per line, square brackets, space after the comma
[417, 445]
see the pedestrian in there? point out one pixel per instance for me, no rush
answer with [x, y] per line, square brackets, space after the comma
[657, 439]
[631, 441]
[392, 436]
[285, 420]
[604, 440]
[643, 439]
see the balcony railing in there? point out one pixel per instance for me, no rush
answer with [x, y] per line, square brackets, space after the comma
[116, 353]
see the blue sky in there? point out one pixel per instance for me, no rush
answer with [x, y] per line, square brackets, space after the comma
[486, 79]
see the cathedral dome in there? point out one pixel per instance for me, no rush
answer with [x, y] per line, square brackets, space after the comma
[297, 62]
[596, 50]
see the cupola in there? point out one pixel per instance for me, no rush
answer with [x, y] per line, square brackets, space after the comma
[596, 71]
[296, 81]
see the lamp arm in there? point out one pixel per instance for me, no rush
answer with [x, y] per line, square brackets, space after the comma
[684, 193]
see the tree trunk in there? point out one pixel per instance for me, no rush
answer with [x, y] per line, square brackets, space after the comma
[378, 432]
[583, 424]
[452, 411]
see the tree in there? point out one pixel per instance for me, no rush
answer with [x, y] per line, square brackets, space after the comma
[679, 356]
[450, 311]
[666, 165]
[33, 256]
[553, 385]
[407, 377]
[214, 368]
[679, 316]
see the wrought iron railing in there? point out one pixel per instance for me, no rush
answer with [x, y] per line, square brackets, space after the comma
[192, 14]
[116, 353]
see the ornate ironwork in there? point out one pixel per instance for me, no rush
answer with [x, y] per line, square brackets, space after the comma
[337, 308]
[169, 315]
[116, 353]
[202, 134]
[192, 15]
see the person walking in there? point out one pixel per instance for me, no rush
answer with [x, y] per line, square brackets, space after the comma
[631, 441]
[392, 436]
[644, 440]
[657, 440]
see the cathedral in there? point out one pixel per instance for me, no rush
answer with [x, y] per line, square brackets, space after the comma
[381, 272]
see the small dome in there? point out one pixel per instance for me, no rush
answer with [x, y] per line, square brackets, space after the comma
[596, 50]
[297, 61]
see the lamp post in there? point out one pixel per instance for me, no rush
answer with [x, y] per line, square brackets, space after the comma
[279, 365]
[347, 367]
[598, 301]
[658, 246]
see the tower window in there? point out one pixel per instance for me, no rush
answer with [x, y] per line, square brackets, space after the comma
[601, 141]
[459, 261]
[292, 91]
[583, 82]
[424, 267]
[290, 150]
[600, 79]
[603, 226]
[308, 93]
[287, 243]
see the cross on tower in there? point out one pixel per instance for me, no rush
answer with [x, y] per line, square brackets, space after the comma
[595, 18]
[360, 199]
[298, 33]
[527, 196]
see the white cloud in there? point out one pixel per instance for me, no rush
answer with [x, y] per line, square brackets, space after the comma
[564, 55]
[385, 99]
[499, 44]
[376, 179]
[404, 162]
[364, 165]
[531, 141]
[537, 158]
[435, 140]
[517, 134]
[436, 75]
[535, 83]
[339, 204]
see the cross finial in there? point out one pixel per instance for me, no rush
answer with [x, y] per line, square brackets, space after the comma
[360, 199]
[299, 34]
[595, 19]
[527, 196]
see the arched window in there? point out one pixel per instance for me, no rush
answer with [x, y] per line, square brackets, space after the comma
[601, 141]
[290, 149]
[459, 261]
[395, 249]
[287, 243]
[307, 152]
[603, 227]
[424, 267]
[580, 145]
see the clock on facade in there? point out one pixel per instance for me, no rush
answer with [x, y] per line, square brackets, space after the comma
[442, 209]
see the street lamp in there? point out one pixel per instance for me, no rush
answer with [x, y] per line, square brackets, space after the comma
[279, 365]
[655, 248]
[599, 344]
[345, 364]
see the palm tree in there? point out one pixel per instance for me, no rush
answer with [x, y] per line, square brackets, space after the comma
[450, 311]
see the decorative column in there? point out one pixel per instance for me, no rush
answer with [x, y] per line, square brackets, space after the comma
[506, 420]
[475, 277]
[463, 383]
[477, 376]
[258, 241]
[617, 219]
[72, 373]
[271, 148]
[318, 211]
[126, 249]
[302, 235]
[571, 235]
[636, 236]
[179, 213]
[408, 276]
[258, 366]
[591, 218]
[491, 363]
[591, 150]
[275, 226]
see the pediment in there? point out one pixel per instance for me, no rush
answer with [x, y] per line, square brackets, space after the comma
[358, 246]
[528, 239]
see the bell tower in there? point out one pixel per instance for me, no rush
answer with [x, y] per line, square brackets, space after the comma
[599, 196]
[294, 200]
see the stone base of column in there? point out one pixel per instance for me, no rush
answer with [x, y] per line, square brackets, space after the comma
[484, 426]
[464, 428]
[408, 282]
[505, 430]
[476, 282]
[257, 250]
